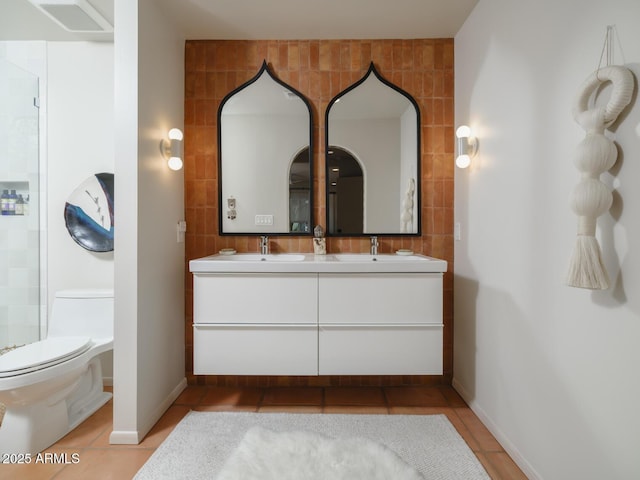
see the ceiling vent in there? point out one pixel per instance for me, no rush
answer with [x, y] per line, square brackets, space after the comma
[74, 15]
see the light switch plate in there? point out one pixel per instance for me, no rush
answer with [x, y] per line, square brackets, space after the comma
[264, 220]
[181, 228]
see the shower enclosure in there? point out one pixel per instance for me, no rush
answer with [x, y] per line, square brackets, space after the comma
[20, 295]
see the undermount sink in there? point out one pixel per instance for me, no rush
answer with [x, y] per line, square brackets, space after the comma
[257, 257]
[389, 257]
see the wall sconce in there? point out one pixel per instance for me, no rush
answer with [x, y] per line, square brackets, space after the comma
[172, 149]
[467, 146]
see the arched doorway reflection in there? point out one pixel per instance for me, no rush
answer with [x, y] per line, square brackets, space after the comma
[346, 192]
[300, 193]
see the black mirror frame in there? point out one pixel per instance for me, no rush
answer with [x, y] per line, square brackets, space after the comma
[372, 70]
[264, 68]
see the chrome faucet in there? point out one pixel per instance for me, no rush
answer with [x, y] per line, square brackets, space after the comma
[374, 245]
[264, 245]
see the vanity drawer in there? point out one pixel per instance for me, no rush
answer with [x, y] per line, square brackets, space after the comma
[255, 349]
[255, 298]
[405, 298]
[380, 349]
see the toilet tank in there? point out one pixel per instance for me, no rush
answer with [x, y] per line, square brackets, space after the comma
[82, 313]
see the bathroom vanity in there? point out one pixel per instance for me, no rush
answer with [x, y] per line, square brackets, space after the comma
[301, 314]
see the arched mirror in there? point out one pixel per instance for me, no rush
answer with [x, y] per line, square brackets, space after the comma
[265, 159]
[373, 160]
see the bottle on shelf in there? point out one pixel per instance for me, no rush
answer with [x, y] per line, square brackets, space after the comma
[13, 198]
[4, 202]
[20, 205]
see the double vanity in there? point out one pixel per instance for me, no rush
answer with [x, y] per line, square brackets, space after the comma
[305, 314]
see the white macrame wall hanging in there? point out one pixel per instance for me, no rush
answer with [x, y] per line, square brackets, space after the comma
[595, 155]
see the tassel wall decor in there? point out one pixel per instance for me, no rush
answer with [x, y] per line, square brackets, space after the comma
[406, 217]
[595, 155]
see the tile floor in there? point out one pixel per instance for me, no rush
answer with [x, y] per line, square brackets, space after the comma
[96, 459]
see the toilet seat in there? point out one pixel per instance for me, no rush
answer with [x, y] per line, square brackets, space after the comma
[42, 354]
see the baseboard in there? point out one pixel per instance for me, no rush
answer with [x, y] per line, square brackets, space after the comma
[164, 405]
[135, 437]
[124, 437]
[508, 446]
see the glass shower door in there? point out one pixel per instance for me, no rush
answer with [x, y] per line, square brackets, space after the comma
[19, 220]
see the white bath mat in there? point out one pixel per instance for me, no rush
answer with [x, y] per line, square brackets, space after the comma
[213, 445]
[267, 455]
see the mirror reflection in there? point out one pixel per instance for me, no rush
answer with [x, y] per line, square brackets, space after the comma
[373, 160]
[264, 155]
[346, 200]
[300, 193]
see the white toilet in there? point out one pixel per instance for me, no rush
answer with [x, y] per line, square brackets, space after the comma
[51, 386]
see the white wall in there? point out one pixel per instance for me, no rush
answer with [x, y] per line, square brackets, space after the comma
[160, 207]
[80, 144]
[381, 212]
[256, 173]
[149, 263]
[551, 369]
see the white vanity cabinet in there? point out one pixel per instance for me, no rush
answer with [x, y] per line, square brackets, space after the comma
[373, 324]
[255, 324]
[306, 315]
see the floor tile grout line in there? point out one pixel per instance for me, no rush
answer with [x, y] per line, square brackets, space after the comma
[260, 402]
[481, 449]
[492, 465]
[100, 433]
[386, 399]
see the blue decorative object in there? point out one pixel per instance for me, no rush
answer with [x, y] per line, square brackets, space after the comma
[88, 213]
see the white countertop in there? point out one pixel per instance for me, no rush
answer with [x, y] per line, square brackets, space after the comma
[310, 263]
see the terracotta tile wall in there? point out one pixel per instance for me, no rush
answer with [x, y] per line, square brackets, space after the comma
[320, 69]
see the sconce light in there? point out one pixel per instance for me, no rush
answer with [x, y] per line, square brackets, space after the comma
[172, 149]
[467, 146]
